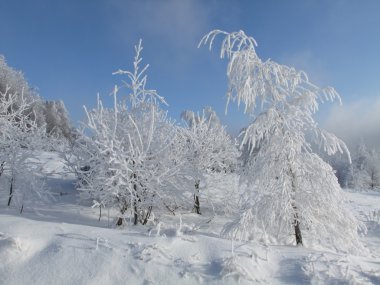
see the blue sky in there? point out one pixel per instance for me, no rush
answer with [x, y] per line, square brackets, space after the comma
[69, 49]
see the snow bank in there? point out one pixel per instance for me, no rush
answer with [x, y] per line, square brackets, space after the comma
[61, 241]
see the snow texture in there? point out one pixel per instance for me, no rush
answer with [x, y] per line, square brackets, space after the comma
[62, 242]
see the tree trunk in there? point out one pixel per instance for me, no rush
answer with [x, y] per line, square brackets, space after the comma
[197, 206]
[147, 215]
[10, 193]
[122, 211]
[136, 217]
[119, 221]
[297, 228]
[2, 167]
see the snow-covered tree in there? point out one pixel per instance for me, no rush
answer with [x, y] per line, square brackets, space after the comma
[51, 114]
[20, 137]
[208, 147]
[293, 192]
[209, 137]
[365, 169]
[15, 83]
[128, 159]
[341, 165]
[57, 119]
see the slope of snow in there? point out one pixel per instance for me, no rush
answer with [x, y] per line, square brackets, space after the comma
[62, 242]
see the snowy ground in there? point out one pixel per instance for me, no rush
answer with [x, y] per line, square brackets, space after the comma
[62, 242]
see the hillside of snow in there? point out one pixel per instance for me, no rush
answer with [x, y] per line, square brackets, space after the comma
[62, 241]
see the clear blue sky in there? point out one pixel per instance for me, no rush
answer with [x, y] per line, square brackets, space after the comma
[69, 48]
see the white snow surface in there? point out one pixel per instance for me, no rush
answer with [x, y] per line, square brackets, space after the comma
[61, 241]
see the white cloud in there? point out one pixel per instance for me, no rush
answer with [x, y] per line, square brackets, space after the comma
[171, 29]
[305, 60]
[355, 121]
[179, 23]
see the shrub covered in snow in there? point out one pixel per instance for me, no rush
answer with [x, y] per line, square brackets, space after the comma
[130, 155]
[20, 137]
